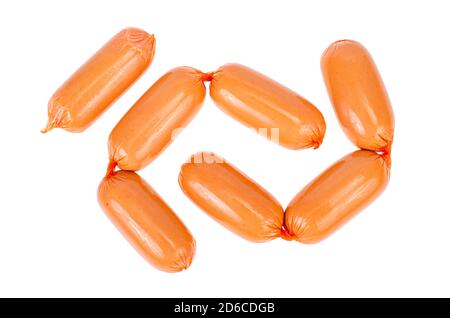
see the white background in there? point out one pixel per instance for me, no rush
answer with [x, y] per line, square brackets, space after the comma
[55, 240]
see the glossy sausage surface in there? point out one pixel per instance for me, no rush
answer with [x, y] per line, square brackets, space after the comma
[101, 80]
[151, 124]
[231, 198]
[358, 95]
[146, 221]
[261, 103]
[336, 195]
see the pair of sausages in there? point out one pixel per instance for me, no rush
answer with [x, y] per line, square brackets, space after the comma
[246, 95]
[244, 207]
[364, 112]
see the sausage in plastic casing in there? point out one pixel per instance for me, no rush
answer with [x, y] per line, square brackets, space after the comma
[336, 195]
[100, 81]
[152, 123]
[146, 221]
[231, 198]
[261, 103]
[358, 95]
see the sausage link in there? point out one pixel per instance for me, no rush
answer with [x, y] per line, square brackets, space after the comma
[261, 103]
[231, 198]
[146, 221]
[100, 81]
[358, 95]
[335, 196]
[151, 124]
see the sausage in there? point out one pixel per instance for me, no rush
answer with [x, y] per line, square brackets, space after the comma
[231, 198]
[358, 95]
[335, 196]
[150, 125]
[261, 103]
[146, 221]
[100, 81]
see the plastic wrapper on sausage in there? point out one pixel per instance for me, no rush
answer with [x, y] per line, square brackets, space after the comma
[358, 95]
[146, 221]
[153, 121]
[336, 195]
[231, 198]
[100, 81]
[261, 103]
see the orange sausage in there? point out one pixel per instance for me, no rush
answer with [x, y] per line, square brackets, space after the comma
[358, 95]
[261, 103]
[100, 81]
[335, 196]
[149, 126]
[146, 221]
[231, 198]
